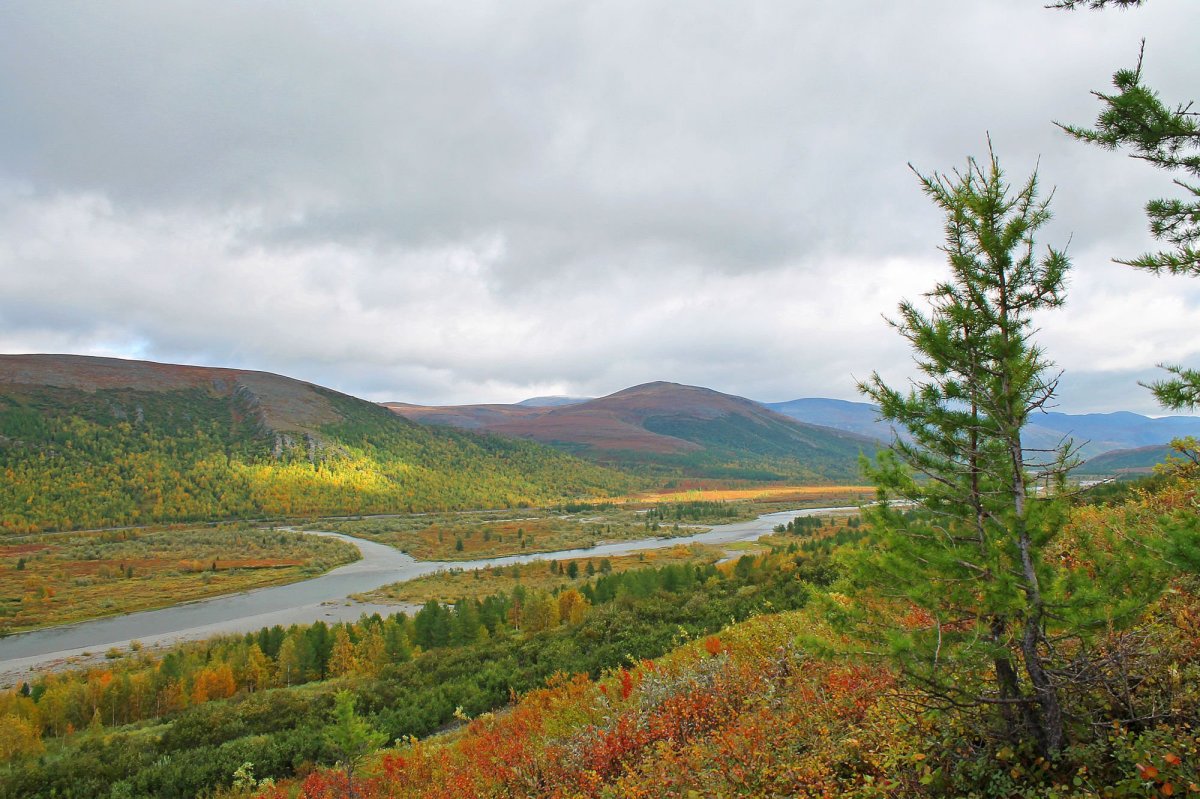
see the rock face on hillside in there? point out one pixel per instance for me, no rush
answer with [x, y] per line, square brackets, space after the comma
[701, 431]
[281, 403]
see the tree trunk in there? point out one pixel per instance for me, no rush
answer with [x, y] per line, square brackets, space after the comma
[1017, 717]
[1050, 721]
[1049, 727]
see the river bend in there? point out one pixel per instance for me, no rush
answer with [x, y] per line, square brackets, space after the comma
[325, 597]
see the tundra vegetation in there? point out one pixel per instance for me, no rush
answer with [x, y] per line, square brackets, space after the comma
[54, 579]
[790, 703]
[182, 722]
[488, 534]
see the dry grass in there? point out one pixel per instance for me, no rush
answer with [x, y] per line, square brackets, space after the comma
[490, 534]
[807, 495]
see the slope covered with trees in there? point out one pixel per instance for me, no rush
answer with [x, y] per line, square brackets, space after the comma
[265, 699]
[88, 442]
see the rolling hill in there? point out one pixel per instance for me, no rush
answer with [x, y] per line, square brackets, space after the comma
[1135, 462]
[93, 442]
[667, 428]
[855, 417]
[1095, 433]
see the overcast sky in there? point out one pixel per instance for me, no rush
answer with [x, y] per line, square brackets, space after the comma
[481, 202]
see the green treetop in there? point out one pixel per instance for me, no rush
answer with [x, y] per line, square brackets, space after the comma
[351, 739]
[966, 548]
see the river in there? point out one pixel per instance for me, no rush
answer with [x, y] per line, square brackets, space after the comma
[321, 598]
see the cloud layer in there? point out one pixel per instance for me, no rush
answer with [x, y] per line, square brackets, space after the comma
[411, 203]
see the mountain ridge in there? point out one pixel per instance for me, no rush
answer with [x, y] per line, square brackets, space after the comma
[1095, 433]
[697, 430]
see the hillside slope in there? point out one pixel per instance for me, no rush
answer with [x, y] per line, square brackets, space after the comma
[670, 429]
[1126, 462]
[90, 442]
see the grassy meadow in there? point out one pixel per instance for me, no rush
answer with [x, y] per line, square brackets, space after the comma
[791, 495]
[490, 534]
[52, 579]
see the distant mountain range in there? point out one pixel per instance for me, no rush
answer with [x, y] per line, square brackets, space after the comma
[93, 442]
[668, 428]
[602, 426]
[854, 417]
[1125, 462]
[1129, 441]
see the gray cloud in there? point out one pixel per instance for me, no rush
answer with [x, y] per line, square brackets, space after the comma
[409, 202]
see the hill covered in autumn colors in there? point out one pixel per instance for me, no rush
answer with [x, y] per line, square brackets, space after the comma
[92, 442]
[670, 428]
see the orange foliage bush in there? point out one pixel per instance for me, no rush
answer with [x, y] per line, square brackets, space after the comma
[726, 716]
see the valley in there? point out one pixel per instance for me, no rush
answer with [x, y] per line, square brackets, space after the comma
[457, 564]
[642, 400]
[329, 596]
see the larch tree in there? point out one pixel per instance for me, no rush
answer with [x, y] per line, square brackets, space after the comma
[343, 660]
[968, 514]
[1135, 119]
[351, 738]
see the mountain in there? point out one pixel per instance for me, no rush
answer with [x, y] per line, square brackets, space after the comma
[669, 428]
[854, 417]
[1095, 433]
[91, 442]
[1106, 432]
[552, 402]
